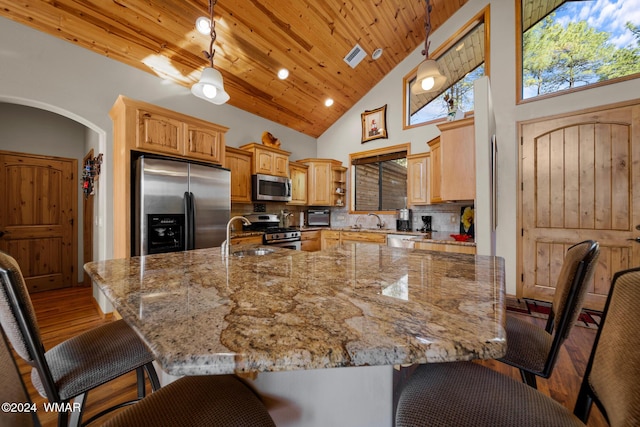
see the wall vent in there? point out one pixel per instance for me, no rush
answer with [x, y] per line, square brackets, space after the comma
[356, 55]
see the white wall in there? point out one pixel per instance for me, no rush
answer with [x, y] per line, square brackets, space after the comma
[41, 71]
[344, 136]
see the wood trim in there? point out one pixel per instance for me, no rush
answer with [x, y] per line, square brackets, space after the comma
[483, 16]
[376, 152]
[87, 226]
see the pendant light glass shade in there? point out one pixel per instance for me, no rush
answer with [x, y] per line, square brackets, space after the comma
[428, 78]
[210, 87]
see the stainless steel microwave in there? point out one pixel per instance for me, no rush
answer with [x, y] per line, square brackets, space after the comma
[271, 188]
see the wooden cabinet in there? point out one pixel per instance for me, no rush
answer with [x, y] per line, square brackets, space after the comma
[298, 175]
[325, 176]
[435, 172]
[445, 247]
[268, 160]
[143, 127]
[453, 162]
[239, 162]
[246, 240]
[166, 132]
[204, 143]
[310, 240]
[339, 185]
[418, 179]
[362, 237]
[159, 133]
[329, 239]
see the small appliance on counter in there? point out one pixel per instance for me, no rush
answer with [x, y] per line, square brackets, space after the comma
[426, 224]
[318, 218]
[403, 220]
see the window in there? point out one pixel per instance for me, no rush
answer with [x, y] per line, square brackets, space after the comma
[462, 60]
[571, 45]
[380, 179]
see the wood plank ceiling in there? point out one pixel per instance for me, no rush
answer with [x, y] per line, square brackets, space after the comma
[255, 38]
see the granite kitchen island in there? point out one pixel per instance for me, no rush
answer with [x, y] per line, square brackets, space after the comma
[288, 317]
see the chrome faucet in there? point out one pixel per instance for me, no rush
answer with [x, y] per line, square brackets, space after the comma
[380, 222]
[225, 245]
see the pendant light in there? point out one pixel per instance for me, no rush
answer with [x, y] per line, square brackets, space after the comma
[211, 87]
[428, 77]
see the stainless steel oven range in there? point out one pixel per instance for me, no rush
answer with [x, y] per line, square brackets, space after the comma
[274, 235]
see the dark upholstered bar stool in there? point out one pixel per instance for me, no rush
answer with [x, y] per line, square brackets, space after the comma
[68, 371]
[469, 394]
[534, 350]
[222, 400]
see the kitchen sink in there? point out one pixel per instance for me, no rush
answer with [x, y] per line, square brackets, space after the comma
[252, 252]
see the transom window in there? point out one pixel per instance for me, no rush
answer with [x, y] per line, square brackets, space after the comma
[462, 60]
[571, 45]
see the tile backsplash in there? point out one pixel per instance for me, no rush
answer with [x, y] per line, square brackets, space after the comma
[444, 217]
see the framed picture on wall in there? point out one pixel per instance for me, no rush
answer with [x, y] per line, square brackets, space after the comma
[374, 124]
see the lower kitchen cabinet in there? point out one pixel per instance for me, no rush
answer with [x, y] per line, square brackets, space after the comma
[362, 237]
[329, 239]
[246, 240]
[445, 247]
[310, 240]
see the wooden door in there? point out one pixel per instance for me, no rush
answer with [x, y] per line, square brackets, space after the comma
[577, 183]
[38, 218]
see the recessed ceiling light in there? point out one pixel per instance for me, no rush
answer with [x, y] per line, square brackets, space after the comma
[328, 102]
[283, 73]
[376, 53]
[203, 25]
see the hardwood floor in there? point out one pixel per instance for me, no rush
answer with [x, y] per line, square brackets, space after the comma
[68, 312]
[61, 315]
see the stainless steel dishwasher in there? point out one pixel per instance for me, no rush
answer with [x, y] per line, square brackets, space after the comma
[400, 241]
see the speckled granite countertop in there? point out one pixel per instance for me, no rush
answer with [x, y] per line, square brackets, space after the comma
[353, 305]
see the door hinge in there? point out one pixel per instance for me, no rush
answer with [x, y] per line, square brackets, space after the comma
[522, 232]
[71, 221]
[522, 277]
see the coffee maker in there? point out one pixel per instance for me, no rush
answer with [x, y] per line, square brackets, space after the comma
[403, 219]
[426, 227]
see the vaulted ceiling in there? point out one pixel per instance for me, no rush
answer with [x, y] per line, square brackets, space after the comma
[255, 38]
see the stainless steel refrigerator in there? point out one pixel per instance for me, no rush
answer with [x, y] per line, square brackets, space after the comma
[178, 205]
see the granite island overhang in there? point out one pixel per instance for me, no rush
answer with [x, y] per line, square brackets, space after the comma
[202, 313]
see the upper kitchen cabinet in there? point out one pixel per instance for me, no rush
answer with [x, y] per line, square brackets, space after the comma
[138, 126]
[326, 182]
[163, 131]
[239, 162]
[298, 173]
[268, 160]
[418, 179]
[204, 143]
[453, 162]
